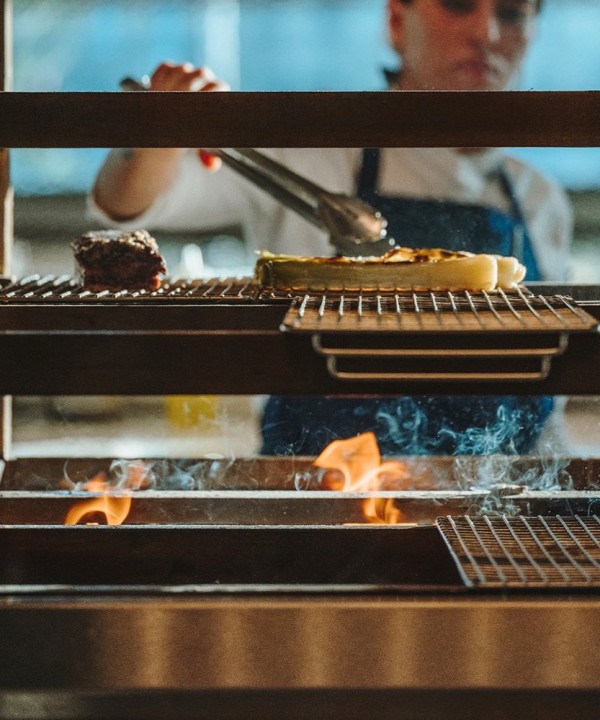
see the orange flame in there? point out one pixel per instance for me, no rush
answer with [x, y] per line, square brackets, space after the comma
[381, 511]
[358, 461]
[115, 506]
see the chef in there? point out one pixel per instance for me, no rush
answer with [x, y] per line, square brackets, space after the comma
[480, 200]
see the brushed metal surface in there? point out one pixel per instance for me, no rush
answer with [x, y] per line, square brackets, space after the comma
[242, 642]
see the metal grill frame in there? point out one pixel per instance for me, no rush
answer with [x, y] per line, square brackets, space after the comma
[501, 317]
[518, 309]
[192, 343]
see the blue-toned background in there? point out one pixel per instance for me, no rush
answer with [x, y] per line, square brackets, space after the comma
[259, 45]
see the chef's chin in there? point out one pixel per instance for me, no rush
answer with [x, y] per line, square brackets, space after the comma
[478, 77]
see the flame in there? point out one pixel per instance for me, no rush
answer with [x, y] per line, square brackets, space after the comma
[381, 511]
[115, 506]
[358, 466]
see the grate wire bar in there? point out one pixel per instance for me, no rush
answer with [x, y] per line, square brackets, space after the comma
[322, 312]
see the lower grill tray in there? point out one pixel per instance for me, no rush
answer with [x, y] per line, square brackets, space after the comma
[212, 559]
[463, 553]
[252, 527]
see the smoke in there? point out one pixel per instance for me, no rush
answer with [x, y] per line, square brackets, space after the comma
[460, 424]
[489, 439]
[500, 446]
[209, 473]
[408, 426]
[496, 446]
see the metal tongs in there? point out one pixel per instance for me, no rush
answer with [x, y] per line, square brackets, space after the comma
[355, 228]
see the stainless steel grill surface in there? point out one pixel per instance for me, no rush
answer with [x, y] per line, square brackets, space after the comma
[459, 326]
[525, 552]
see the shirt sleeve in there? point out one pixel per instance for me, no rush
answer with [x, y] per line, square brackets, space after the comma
[553, 242]
[198, 199]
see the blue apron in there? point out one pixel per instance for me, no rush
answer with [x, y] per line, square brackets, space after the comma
[422, 425]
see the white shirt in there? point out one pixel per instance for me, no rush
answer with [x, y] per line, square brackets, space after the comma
[200, 199]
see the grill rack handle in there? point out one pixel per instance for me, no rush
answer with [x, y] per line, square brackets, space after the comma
[521, 376]
[546, 351]
[544, 354]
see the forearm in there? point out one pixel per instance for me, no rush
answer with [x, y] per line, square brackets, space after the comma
[131, 179]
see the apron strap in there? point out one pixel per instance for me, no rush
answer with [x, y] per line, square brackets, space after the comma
[369, 172]
[520, 229]
[367, 185]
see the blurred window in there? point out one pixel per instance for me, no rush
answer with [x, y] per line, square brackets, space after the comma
[260, 45]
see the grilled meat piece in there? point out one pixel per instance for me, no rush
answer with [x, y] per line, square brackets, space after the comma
[115, 260]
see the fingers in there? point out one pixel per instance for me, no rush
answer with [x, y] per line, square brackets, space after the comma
[185, 77]
[210, 161]
[216, 86]
[188, 78]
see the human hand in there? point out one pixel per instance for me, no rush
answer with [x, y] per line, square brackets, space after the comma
[185, 77]
[188, 78]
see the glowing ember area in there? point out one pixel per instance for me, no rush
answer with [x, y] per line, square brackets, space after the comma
[355, 465]
[113, 503]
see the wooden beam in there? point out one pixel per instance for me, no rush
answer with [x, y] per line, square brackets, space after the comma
[6, 195]
[300, 119]
[6, 203]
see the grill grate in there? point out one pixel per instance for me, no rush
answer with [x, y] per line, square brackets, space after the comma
[66, 289]
[525, 552]
[423, 311]
[437, 311]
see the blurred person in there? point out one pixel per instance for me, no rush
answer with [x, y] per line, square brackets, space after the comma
[480, 200]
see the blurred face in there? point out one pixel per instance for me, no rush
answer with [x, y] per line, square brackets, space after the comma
[460, 44]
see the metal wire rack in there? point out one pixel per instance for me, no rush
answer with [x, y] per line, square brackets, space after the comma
[525, 552]
[370, 337]
[66, 289]
[465, 311]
